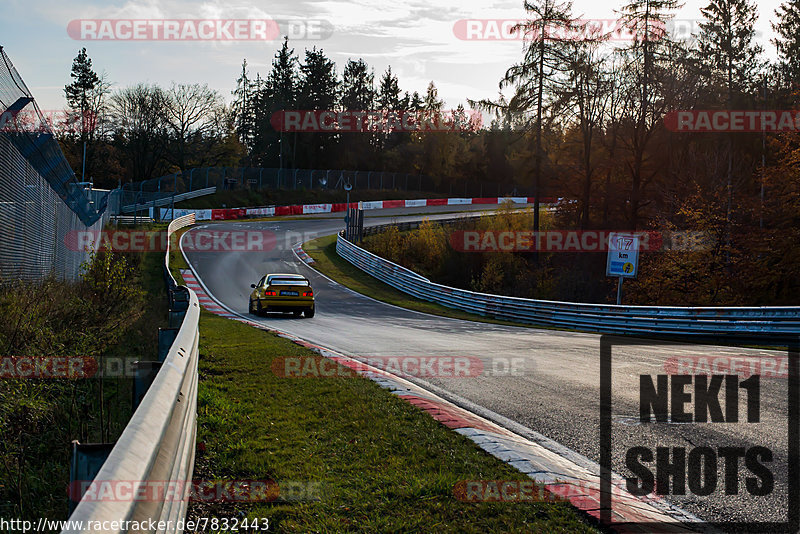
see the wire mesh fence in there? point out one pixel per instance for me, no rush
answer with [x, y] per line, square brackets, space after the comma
[160, 191]
[41, 201]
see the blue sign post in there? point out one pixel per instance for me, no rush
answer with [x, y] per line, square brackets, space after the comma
[623, 258]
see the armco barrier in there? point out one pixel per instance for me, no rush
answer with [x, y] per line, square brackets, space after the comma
[165, 199]
[768, 325]
[158, 443]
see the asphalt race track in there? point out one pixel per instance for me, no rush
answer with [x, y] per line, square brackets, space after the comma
[555, 388]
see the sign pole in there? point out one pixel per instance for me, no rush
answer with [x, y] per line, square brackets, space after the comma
[623, 258]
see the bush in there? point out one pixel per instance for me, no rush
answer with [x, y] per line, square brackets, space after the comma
[40, 417]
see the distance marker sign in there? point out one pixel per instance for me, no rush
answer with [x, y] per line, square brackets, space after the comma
[623, 255]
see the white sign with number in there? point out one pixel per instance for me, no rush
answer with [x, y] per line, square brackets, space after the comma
[623, 255]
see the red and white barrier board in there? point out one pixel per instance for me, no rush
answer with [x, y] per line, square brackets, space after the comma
[317, 208]
[303, 209]
[260, 212]
[200, 215]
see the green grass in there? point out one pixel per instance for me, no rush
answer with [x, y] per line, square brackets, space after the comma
[380, 464]
[328, 262]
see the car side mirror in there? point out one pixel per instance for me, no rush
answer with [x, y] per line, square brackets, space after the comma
[252, 285]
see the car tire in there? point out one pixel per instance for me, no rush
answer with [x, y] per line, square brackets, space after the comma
[297, 313]
[250, 307]
[259, 310]
[309, 313]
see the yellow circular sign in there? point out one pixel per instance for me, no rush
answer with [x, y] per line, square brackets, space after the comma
[628, 267]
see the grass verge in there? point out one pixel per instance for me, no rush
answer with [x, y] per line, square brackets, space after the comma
[329, 263]
[377, 463]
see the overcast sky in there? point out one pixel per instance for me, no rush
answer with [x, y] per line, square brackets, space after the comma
[416, 38]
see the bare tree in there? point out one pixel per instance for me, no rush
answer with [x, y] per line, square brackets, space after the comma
[141, 130]
[190, 111]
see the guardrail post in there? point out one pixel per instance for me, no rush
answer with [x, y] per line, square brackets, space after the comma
[166, 336]
[84, 465]
[176, 318]
[146, 372]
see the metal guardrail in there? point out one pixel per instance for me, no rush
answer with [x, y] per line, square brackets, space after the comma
[165, 199]
[158, 444]
[768, 325]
